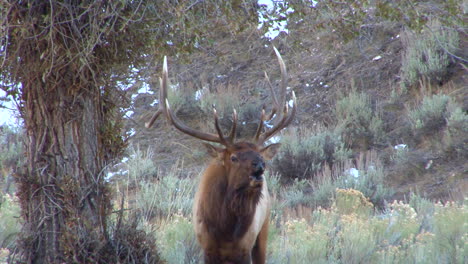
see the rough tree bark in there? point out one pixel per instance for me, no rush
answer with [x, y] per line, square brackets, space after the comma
[56, 53]
[63, 60]
[62, 192]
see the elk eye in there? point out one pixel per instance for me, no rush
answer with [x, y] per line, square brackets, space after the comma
[234, 158]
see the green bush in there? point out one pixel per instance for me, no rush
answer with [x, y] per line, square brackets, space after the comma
[224, 98]
[456, 135]
[303, 153]
[357, 122]
[141, 166]
[177, 241]
[10, 223]
[431, 115]
[11, 154]
[350, 231]
[427, 53]
[450, 222]
[350, 201]
[295, 194]
[368, 179]
[171, 194]
[299, 243]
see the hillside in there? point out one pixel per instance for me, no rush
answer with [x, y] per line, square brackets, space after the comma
[326, 69]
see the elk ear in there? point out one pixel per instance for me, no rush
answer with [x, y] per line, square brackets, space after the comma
[270, 151]
[212, 150]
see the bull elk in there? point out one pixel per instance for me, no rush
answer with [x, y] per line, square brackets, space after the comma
[232, 206]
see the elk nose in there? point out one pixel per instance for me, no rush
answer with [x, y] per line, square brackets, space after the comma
[258, 166]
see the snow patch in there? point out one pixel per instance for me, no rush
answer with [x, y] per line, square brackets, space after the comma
[400, 146]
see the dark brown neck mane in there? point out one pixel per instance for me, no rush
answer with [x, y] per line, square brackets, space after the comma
[229, 212]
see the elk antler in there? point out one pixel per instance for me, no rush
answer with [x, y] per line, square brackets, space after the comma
[285, 117]
[165, 108]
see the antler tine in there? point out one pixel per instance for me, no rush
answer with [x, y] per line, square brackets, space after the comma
[285, 121]
[284, 75]
[232, 134]
[218, 129]
[162, 96]
[260, 126]
[276, 104]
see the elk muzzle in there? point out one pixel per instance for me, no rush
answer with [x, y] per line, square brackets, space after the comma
[258, 168]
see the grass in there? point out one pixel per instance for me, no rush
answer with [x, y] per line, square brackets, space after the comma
[338, 223]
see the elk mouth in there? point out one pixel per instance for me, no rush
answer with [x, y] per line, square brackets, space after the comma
[256, 179]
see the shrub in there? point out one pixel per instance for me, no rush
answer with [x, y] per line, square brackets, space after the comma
[129, 244]
[450, 230]
[225, 98]
[303, 153]
[300, 243]
[356, 240]
[456, 134]
[357, 122]
[140, 166]
[4, 255]
[404, 222]
[431, 115]
[177, 241]
[11, 154]
[368, 178]
[295, 194]
[9, 220]
[350, 201]
[427, 53]
[171, 194]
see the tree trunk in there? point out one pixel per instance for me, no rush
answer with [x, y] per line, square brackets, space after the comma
[62, 192]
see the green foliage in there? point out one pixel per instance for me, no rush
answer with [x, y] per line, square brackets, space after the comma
[400, 155]
[171, 194]
[177, 241]
[357, 122]
[295, 194]
[369, 180]
[431, 115]
[4, 255]
[450, 229]
[158, 194]
[322, 190]
[140, 165]
[350, 233]
[11, 147]
[456, 135]
[303, 153]
[224, 98]
[9, 220]
[299, 243]
[428, 53]
[349, 201]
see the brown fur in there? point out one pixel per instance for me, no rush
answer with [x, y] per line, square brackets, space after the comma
[226, 203]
